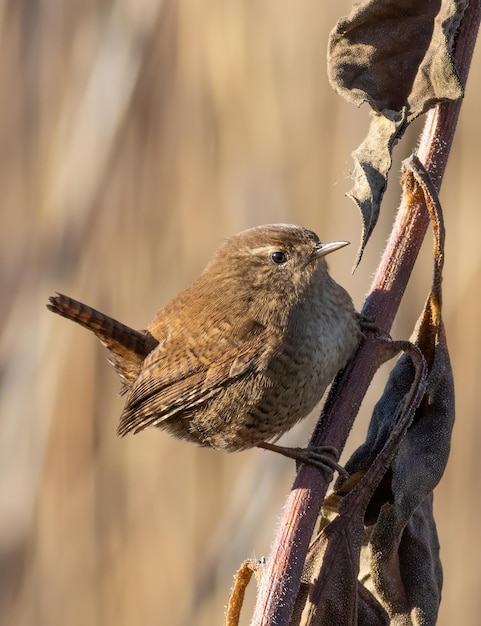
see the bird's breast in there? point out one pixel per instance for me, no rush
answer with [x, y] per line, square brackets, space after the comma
[313, 347]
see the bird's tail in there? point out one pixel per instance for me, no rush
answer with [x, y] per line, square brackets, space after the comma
[127, 346]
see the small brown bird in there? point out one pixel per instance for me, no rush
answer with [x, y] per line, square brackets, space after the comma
[241, 355]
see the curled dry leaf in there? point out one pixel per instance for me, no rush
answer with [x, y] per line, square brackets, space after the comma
[329, 594]
[395, 55]
[400, 563]
[372, 162]
[404, 543]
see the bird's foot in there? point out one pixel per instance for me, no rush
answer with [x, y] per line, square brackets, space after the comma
[322, 457]
[368, 326]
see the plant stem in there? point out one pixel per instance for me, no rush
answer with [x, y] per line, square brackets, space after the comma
[281, 578]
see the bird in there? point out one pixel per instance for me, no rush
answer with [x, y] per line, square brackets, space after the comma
[241, 355]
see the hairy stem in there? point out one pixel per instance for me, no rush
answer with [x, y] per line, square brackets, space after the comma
[281, 578]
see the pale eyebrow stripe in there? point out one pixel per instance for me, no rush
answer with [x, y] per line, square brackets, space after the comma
[264, 249]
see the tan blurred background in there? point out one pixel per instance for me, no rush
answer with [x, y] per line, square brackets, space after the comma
[134, 136]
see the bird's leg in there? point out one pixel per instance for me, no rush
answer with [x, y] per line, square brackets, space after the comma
[322, 457]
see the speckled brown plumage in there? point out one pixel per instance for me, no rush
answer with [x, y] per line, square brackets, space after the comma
[243, 353]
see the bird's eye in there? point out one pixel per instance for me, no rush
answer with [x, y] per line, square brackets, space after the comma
[278, 257]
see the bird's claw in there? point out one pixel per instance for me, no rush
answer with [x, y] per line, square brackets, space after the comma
[368, 326]
[321, 457]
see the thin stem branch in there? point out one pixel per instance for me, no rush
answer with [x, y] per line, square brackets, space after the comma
[281, 578]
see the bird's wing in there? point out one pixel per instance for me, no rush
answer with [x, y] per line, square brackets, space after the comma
[169, 386]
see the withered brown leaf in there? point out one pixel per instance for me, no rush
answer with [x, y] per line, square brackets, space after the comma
[395, 55]
[402, 554]
[330, 591]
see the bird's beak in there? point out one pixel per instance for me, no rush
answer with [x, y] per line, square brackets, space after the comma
[322, 249]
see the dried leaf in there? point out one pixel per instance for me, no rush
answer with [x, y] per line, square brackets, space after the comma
[330, 591]
[395, 55]
[405, 569]
[404, 542]
[405, 565]
[372, 162]
[333, 591]
[369, 610]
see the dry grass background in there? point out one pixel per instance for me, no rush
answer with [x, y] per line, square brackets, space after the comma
[135, 135]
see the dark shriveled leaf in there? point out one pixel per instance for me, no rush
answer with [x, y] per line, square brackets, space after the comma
[405, 566]
[369, 611]
[395, 55]
[404, 541]
[409, 576]
[308, 607]
[372, 162]
[330, 591]
[403, 551]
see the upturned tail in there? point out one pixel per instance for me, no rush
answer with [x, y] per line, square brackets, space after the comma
[128, 347]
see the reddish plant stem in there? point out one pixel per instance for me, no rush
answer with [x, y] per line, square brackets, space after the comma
[281, 578]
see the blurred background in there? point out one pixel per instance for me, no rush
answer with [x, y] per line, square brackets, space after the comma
[135, 135]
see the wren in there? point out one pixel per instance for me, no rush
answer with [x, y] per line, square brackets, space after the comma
[244, 353]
